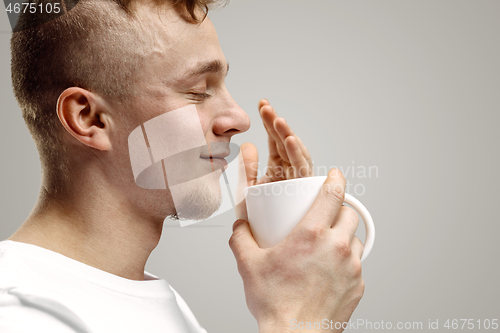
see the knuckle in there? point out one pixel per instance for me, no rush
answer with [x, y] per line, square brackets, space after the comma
[357, 269]
[358, 291]
[350, 214]
[313, 233]
[236, 233]
[333, 192]
[233, 240]
[361, 288]
[304, 171]
[343, 248]
[360, 244]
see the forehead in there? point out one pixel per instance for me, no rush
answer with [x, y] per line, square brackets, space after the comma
[174, 46]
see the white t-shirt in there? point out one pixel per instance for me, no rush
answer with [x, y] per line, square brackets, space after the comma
[44, 291]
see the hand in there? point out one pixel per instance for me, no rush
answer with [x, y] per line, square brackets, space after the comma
[288, 156]
[313, 274]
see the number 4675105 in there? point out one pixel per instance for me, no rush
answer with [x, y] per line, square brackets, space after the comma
[471, 324]
[33, 8]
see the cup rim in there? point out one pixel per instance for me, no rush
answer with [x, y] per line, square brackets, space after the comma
[286, 180]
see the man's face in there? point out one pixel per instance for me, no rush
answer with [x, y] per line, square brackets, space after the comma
[183, 65]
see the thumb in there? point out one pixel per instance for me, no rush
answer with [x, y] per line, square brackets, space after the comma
[248, 162]
[241, 206]
[242, 241]
[250, 157]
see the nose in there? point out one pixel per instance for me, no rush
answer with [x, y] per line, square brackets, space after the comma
[230, 119]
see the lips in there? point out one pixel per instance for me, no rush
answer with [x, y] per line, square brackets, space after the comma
[221, 156]
[217, 162]
[216, 153]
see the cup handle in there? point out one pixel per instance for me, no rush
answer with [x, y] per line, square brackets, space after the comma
[367, 219]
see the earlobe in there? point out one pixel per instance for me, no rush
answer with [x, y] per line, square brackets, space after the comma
[83, 116]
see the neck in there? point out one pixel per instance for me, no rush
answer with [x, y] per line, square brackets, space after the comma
[96, 229]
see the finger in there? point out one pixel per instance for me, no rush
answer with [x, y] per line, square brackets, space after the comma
[268, 116]
[357, 247]
[306, 153]
[285, 131]
[328, 202]
[263, 102]
[346, 222]
[273, 147]
[251, 162]
[242, 241]
[264, 179]
[282, 128]
[299, 163]
[240, 208]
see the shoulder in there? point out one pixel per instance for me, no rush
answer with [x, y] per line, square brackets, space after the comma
[188, 314]
[14, 319]
[8, 264]
[25, 309]
[25, 306]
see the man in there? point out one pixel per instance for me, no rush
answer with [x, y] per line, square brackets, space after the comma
[85, 81]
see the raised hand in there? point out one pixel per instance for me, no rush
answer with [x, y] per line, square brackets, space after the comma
[288, 156]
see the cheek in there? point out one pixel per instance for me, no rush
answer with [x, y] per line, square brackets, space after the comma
[150, 101]
[176, 139]
[205, 117]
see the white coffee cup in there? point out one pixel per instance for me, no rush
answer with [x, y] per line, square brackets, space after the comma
[274, 209]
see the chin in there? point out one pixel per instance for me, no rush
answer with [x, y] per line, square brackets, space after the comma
[197, 199]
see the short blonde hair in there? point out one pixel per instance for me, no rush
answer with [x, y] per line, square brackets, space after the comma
[91, 47]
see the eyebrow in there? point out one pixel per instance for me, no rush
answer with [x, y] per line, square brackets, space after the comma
[214, 66]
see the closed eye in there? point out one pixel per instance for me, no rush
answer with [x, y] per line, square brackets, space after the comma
[199, 96]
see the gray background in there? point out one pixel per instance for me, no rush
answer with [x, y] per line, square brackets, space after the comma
[411, 87]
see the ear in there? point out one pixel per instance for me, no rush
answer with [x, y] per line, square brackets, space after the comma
[84, 116]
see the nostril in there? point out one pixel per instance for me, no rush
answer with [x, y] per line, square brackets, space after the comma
[232, 131]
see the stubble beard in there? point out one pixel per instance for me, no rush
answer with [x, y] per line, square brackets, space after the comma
[199, 204]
